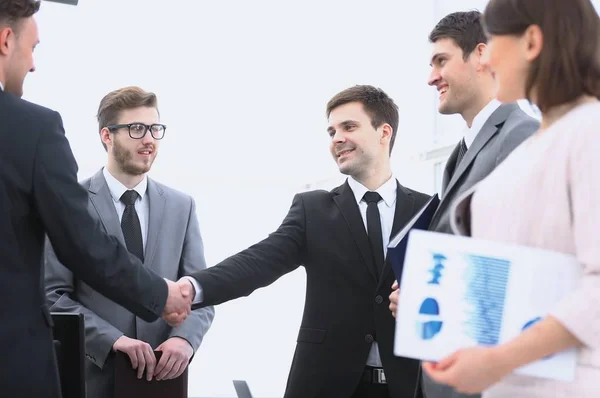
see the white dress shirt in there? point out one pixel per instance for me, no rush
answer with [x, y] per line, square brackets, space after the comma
[142, 207]
[387, 210]
[479, 121]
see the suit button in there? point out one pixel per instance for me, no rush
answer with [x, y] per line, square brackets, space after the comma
[369, 338]
[379, 299]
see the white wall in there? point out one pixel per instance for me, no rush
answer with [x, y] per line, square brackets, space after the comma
[242, 87]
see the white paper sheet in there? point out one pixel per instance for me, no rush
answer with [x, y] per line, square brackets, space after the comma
[459, 292]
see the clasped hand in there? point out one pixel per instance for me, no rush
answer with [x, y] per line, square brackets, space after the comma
[176, 355]
[179, 301]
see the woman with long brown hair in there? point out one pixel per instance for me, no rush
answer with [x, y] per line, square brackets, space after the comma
[546, 194]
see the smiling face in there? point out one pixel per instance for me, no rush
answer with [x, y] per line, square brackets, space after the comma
[454, 77]
[132, 156]
[357, 147]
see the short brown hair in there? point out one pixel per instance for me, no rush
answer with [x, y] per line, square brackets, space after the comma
[568, 65]
[464, 28]
[377, 104]
[13, 11]
[119, 100]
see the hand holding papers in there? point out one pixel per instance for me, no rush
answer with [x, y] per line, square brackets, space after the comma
[459, 292]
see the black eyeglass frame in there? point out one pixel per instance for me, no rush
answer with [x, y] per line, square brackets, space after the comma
[114, 127]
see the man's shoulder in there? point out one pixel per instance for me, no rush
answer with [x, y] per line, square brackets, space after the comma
[324, 194]
[18, 107]
[171, 193]
[316, 195]
[86, 182]
[26, 122]
[520, 122]
[420, 197]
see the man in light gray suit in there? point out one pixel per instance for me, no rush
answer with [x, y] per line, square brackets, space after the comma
[158, 224]
[466, 86]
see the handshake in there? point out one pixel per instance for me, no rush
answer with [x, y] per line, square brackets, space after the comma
[179, 301]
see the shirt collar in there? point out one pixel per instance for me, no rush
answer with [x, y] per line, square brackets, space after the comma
[387, 190]
[117, 189]
[480, 120]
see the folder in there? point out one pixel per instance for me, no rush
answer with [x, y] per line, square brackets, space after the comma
[127, 384]
[397, 246]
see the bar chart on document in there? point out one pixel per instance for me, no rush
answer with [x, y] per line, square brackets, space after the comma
[459, 292]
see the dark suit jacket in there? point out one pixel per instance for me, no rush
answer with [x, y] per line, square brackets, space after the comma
[39, 194]
[504, 130]
[346, 303]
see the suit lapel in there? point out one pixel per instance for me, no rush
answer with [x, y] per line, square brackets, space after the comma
[405, 209]
[103, 203]
[489, 129]
[450, 163]
[157, 203]
[346, 202]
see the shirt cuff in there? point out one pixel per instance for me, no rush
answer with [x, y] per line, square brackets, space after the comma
[199, 297]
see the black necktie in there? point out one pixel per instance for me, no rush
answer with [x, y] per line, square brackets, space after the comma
[462, 149]
[374, 228]
[130, 224]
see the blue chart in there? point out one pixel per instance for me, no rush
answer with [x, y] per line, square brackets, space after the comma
[487, 279]
[429, 323]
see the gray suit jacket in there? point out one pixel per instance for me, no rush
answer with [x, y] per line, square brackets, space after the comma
[174, 248]
[504, 130]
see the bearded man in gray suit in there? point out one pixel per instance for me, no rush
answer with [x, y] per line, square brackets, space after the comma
[466, 86]
[157, 224]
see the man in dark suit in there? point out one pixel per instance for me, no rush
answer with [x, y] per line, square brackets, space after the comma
[39, 195]
[340, 237]
[467, 87]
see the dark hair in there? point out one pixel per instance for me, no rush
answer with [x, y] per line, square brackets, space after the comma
[465, 28]
[568, 65]
[119, 100]
[12, 12]
[377, 104]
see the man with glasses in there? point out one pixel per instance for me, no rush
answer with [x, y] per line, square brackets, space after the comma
[157, 224]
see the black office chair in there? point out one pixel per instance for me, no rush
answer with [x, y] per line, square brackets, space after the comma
[69, 343]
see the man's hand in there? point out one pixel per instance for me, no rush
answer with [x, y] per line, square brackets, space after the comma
[394, 298]
[140, 354]
[187, 287]
[176, 355]
[179, 302]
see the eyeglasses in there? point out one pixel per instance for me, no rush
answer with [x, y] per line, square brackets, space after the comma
[137, 131]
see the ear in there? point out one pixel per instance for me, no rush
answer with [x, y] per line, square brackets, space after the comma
[6, 37]
[481, 54]
[533, 42]
[106, 136]
[386, 133]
